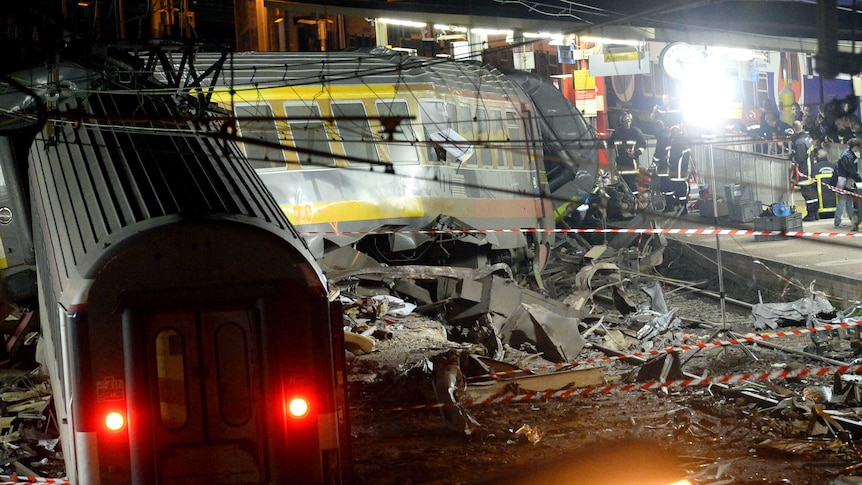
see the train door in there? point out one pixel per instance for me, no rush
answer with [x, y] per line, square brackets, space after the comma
[202, 374]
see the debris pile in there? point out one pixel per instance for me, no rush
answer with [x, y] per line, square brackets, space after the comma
[29, 442]
[464, 338]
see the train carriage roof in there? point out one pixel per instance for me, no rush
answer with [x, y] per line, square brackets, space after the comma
[379, 66]
[104, 180]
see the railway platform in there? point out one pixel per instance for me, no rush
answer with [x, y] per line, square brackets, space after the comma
[829, 257]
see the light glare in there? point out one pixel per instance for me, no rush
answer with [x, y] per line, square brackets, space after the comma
[115, 421]
[404, 23]
[298, 407]
[707, 96]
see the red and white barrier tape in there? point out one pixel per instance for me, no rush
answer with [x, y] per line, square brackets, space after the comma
[783, 374]
[21, 479]
[682, 348]
[646, 386]
[830, 187]
[700, 232]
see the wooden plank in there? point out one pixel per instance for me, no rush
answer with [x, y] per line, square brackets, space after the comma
[546, 382]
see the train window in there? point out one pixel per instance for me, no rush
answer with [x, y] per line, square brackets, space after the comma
[465, 127]
[483, 137]
[309, 135]
[4, 189]
[353, 127]
[498, 137]
[518, 142]
[434, 119]
[234, 376]
[171, 371]
[257, 122]
[402, 147]
[445, 143]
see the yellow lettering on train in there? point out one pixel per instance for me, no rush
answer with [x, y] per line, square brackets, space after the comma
[301, 214]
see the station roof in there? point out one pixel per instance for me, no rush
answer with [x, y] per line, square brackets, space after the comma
[769, 24]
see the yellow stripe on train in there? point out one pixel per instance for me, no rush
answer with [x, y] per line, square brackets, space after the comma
[411, 207]
[257, 94]
[353, 210]
[4, 263]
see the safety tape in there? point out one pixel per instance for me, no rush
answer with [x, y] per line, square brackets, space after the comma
[682, 348]
[830, 187]
[785, 374]
[8, 479]
[700, 232]
[646, 386]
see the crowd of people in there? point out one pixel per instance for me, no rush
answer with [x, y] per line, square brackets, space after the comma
[807, 136]
[804, 140]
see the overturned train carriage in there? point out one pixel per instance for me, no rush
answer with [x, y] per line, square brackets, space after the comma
[185, 323]
[356, 142]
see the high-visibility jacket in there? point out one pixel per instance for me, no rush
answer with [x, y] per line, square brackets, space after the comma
[679, 159]
[622, 140]
[803, 146]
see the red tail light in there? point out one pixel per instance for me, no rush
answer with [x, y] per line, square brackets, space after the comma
[115, 421]
[297, 407]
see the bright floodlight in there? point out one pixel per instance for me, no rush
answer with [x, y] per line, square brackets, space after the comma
[707, 97]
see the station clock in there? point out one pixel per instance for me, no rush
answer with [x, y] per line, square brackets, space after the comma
[678, 59]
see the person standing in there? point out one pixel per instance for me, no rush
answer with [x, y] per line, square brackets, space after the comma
[663, 113]
[629, 143]
[679, 161]
[796, 112]
[771, 129]
[660, 160]
[822, 169]
[847, 175]
[809, 121]
[802, 160]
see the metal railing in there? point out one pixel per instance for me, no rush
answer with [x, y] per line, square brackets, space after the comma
[765, 167]
[747, 164]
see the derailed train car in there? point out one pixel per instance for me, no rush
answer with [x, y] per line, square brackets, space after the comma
[186, 329]
[355, 142]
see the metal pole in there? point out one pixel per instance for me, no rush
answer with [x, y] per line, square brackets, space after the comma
[721, 294]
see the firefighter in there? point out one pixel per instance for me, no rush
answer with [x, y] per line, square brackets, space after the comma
[629, 143]
[803, 158]
[679, 161]
[660, 160]
[822, 169]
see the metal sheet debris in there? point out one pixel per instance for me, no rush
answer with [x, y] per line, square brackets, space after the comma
[798, 312]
